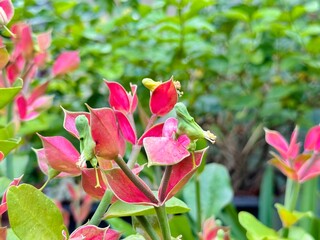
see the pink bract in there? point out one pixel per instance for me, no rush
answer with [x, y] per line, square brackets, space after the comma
[105, 132]
[122, 100]
[166, 150]
[61, 154]
[3, 205]
[6, 11]
[91, 232]
[89, 183]
[299, 167]
[66, 62]
[163, 98]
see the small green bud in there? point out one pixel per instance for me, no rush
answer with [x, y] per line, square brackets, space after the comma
[187, 125]
[87, 144]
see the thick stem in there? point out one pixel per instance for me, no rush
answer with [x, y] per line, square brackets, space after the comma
[135, 180]
[148, 228]
[163, 222]
[165, 182]
[291, 198]
[103, 205]
[134, 156]
[198, 203]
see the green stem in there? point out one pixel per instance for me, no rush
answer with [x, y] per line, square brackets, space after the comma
[134, 155]
[135, 180]
[291, 198]
[8, 30]
[198, 203]
[163, 222]
[103, 205]
[147, 226]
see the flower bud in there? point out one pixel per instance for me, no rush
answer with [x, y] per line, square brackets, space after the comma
[188, 126]
[150, 84]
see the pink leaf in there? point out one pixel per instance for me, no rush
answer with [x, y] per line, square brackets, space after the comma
[89, 182]
[69, 123]
[312, 141]
[6, 11]
[40, 59]
[106, 134]
[38, 92]
[163, 98]
[23, 40]
[276, 140]
[164, 151]
[126, 128]
[133, 98]
[44, 41]
[22, 106]
[66, 62]
[170, 127]
[181, 173]
[118, 97]
[91, 232]
[61, 154]
[154, 131]
[3, 205]
[125, 190]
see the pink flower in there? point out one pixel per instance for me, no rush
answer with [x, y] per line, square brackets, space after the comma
[210, 230]
[122, 100]
[299, 167]
[163, 95]
[66, 62]
[6, 11]
[92, 232]
[30, 107]
[167, 150]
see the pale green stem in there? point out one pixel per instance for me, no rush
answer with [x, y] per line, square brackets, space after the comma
[147, 226]
[163, 222]
[8, 30]
[101, 209]
[291, 198]
[198, 202]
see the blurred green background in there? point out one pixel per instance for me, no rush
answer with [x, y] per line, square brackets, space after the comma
[243, 65]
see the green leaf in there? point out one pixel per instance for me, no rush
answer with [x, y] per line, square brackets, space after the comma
[11, 235]
[266, 196]
[297, 233]
[255, 229]
[33, 215]
[121, 209]
[121, 226]
[7, 94]
[288, 218]
[215, 190]
[7, 145]
[4, 183]
[135, 237]
[180, 225]
[4, 57]
[7, 131]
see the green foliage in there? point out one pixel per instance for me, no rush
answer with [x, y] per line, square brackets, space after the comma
[33, 215]
[121, 209]
[215, 191]
[7, 94]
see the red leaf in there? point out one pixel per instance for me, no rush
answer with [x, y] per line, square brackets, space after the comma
[125, 190]
[126, 128]
[61, 154]
[154, 131]
[106, 134]
[69, 122]
[89, 182]
[181, 173]
[91, 232]
[163, 98]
